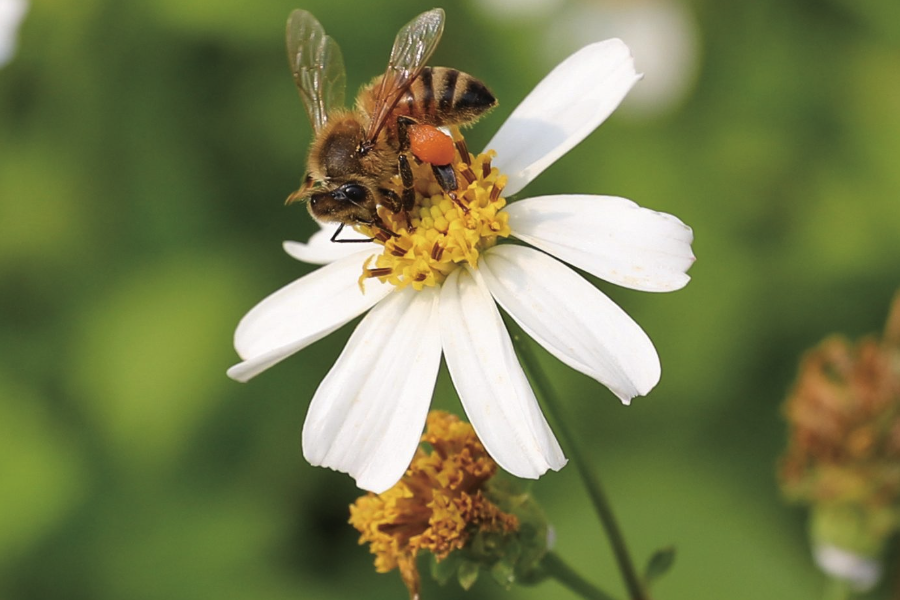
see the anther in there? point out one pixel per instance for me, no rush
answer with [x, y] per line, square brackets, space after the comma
[437, 251]
[486, 168]
[398, 250]
[463, 151]
[468, 174]
[382, 272]
[382, 235]
[495, 192]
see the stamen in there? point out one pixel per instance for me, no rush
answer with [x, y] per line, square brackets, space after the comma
[468, 174]
[463, 151]
[399, 250]
[380, 272]
[495, 192]
[437, 251]
[486, 168]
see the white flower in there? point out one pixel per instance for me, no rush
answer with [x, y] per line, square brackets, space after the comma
[861, 572]
[662, 34]
[11, 14]
[368, 413]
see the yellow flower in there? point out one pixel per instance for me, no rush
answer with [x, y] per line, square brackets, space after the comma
[843, 457]
[437, 506]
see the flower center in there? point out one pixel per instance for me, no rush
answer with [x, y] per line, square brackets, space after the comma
[443, 230]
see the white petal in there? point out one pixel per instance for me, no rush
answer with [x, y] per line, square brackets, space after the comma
[564, 108]
[301, 313]
[369, 411]
[612, 238]
[11, 14]
[320, 250]
[572, 319]
[491, 384]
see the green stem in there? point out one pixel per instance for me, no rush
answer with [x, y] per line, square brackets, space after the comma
[837, 589]
[556, 568]
[591, 482]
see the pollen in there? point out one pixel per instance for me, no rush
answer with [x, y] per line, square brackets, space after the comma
[443, 230]
[437, 506]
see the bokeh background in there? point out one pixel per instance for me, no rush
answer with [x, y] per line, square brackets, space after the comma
[146, 149]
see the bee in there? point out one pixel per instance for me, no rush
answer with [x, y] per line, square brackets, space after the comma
[356, 152]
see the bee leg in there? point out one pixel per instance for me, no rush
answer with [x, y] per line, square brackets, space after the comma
[384, 233]
[446, 177]
[350, 241]
[403, 124]
[398, 205]
[408, 199]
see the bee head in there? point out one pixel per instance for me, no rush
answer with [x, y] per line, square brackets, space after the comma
[349, 201]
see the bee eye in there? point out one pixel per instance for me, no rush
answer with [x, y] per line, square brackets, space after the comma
[354, 192]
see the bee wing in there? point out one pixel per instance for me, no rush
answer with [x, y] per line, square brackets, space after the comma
[413, 46]
[317, 65]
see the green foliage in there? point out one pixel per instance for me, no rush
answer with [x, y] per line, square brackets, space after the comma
[145, 153]
[659, 564]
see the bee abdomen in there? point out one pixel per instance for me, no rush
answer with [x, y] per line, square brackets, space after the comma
[445, 96]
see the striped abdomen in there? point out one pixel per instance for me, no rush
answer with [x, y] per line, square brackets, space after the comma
[444, 96]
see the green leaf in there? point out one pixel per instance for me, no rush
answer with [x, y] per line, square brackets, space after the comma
[659, 564]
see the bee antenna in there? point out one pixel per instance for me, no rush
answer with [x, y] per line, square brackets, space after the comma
[303, 192]
[296, 196]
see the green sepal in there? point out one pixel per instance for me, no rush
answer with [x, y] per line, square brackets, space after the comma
[467, 574]
[504, 573]
[444, 570]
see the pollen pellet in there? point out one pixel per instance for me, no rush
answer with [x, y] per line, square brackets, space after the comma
[430, 144]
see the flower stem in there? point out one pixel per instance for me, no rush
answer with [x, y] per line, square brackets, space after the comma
[556, 568]
[591, 482]
[837, 589]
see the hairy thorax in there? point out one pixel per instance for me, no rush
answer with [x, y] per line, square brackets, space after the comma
[339, 156]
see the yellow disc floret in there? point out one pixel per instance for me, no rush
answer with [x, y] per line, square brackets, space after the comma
[443, 230]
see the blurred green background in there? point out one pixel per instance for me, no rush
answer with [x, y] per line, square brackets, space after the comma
[146, 149]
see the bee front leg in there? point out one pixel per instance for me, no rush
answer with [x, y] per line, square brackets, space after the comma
[348, 241]
[403, 205]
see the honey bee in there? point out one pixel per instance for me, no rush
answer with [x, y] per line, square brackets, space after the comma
[356, 152]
